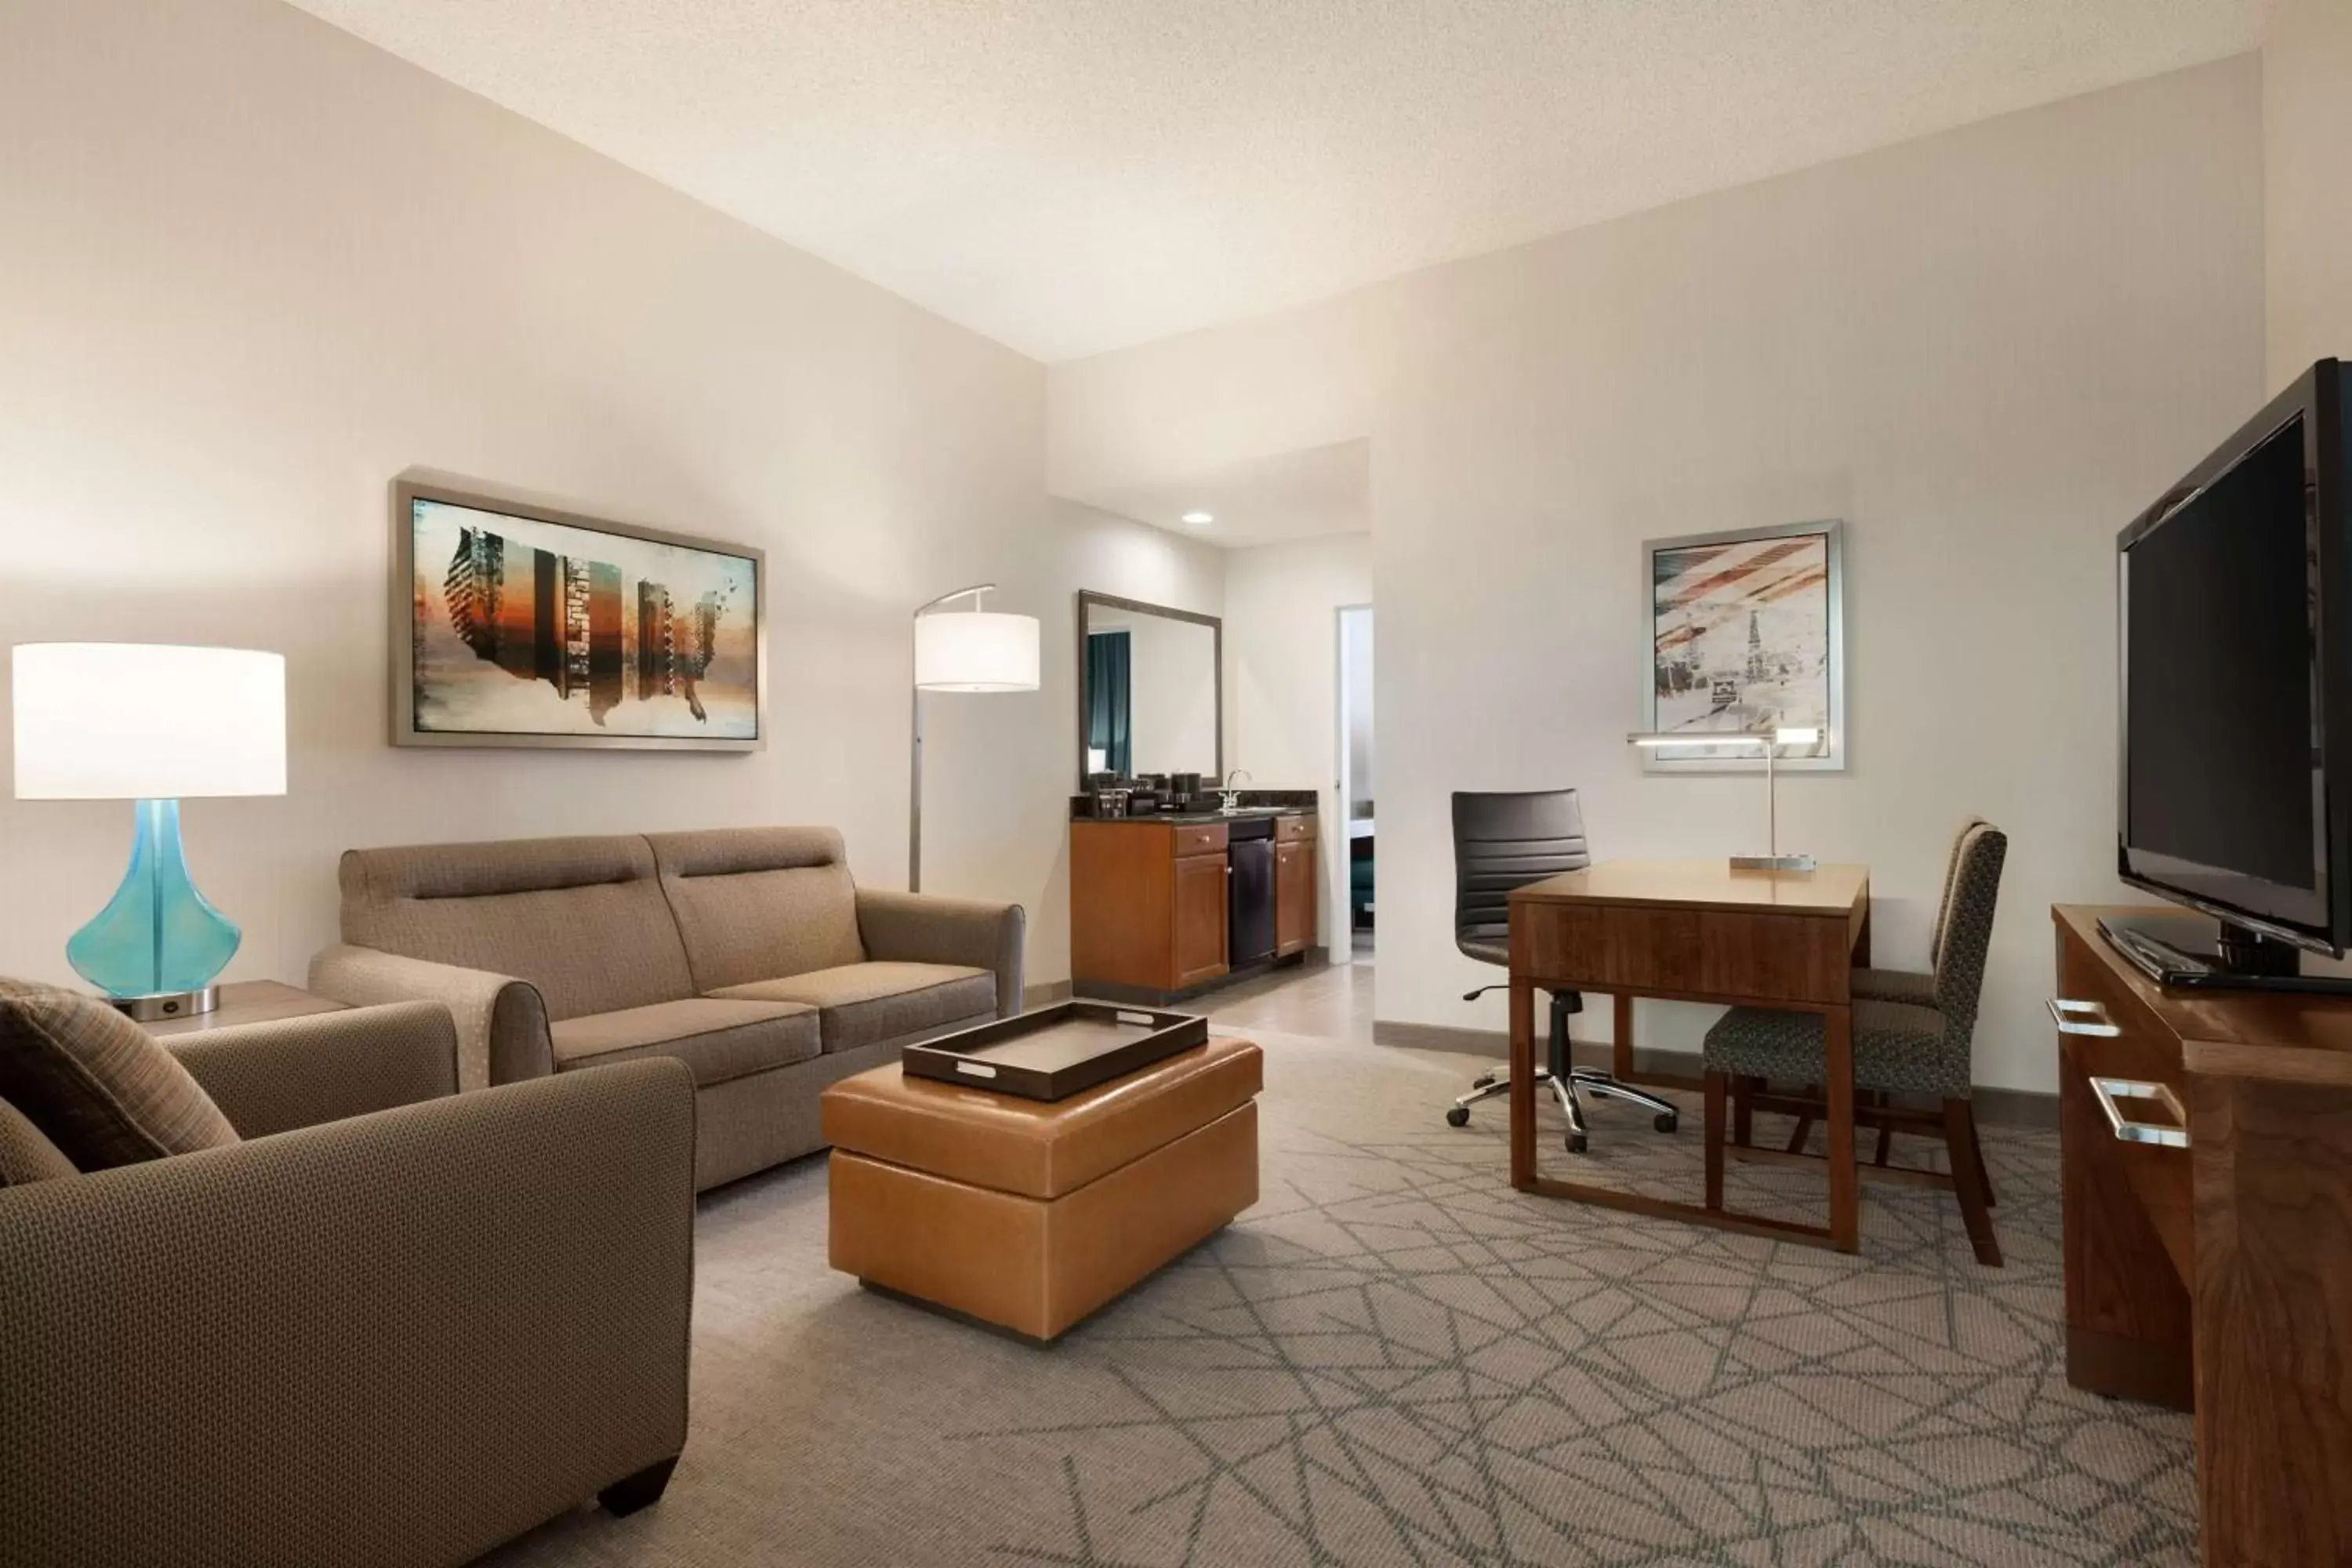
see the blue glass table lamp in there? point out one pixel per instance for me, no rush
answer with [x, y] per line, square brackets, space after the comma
[157, 724]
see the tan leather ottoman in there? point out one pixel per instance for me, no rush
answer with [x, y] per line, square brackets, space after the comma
[1030, 1215]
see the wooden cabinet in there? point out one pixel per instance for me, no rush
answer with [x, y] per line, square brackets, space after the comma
[2217, 1276]
[1294, 892]
[1200, 912]
[1151, 903]
[1146, 907]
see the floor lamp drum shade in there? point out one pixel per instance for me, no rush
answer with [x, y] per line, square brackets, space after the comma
[975, 650]
[152, 723]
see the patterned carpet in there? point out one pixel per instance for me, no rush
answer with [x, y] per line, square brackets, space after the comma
[1394, 1359]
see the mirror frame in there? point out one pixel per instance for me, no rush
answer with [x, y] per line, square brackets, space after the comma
[1087, 597]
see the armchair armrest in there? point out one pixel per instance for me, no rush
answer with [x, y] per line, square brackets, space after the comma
[918, 928]
[501, 1021]
[323, 1067]
[395, 1339]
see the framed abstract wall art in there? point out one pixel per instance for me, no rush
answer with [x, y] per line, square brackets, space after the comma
[1746, 632]
[517, 625]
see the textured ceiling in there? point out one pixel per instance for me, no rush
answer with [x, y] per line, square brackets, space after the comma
[1069, 176]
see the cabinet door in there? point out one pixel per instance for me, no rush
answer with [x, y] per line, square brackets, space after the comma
[1200, 918]
[1293, 897]
[2127, 1229]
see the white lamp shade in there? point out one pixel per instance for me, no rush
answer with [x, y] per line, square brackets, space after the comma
[99, 721]
[975, 650]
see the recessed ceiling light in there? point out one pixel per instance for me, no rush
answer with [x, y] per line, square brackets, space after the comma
[1199, 519]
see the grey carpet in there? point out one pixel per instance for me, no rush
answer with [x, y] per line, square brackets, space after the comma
[1396, 1359]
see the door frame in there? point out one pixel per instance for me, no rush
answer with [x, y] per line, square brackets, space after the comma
[1338, 846]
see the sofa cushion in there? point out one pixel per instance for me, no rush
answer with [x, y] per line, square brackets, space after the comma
[25, 1154]
[97, 1085]
[582, 919]
[866, 1003]
[757, 903]
[719, 1039]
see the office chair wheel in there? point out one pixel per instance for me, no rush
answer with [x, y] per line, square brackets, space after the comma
[1665, 1122]
[1457, 1115]
[1482, 1080]
[1576, 1143]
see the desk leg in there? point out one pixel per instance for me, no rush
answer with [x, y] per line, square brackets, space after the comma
[1845, 1185]
[1621, 1052]
[1523, 1084]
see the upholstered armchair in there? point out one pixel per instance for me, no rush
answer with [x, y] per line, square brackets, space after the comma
[393, 1325]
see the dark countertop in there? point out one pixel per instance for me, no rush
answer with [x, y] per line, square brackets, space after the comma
[1197, 818]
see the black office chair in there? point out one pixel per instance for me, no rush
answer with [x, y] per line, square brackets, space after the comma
[1502, 842]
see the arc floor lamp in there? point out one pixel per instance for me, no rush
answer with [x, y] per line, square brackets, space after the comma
[978, 649]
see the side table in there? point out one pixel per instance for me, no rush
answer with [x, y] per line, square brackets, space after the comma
[247, 1001]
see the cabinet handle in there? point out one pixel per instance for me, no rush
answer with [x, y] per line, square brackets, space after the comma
[2074, 1018]
[2111, 1090]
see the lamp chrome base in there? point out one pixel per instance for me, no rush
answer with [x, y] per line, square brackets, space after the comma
[163, 1004]
[1772, 862]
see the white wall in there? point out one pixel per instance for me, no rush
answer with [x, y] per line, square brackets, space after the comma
[1986, 350]
[2307, 204]
[253, 268]
[1282, 678]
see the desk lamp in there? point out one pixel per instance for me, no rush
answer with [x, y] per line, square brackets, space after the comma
[1770, 742]
[155, 725]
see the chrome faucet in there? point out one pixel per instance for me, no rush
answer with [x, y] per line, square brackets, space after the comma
[1228, 798]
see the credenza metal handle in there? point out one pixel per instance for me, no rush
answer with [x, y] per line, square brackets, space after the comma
[2111, 1090]
[2074, 1018]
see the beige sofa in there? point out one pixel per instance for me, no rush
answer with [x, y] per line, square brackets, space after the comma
[748, 954]
[394, 1327]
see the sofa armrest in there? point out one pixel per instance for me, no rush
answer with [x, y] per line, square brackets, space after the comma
[395, 1339]
[323, 1067]
[501, 1021]
[918, 928]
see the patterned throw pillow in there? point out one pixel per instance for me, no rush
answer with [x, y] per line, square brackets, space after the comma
[97, 1084]
[24, 1155]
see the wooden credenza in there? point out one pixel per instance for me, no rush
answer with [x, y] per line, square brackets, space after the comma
[1149, 904]
[2216, 1276]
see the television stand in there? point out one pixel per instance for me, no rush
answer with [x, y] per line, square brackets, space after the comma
[2198, 952]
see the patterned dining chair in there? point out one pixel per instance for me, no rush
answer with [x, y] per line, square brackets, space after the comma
[1915, 987]
[1916, 1049]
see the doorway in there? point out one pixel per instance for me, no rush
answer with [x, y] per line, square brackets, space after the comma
[1353, 867]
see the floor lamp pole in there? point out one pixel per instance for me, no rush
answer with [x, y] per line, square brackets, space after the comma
[915, 802]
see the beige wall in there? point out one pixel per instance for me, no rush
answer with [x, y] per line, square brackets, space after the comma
[2307, 192]
[1282, 676]
[252, 268]
[1986, 350]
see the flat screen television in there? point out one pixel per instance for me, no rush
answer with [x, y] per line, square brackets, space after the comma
[2235, 629]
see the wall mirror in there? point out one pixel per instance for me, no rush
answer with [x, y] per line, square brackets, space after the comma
[1151, 689]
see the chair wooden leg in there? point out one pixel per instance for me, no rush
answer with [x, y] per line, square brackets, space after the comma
[1885, 1129]
[1968, 1179]
[1984, 1176]
[1804, 1129]
[1715, 1140]
[1743, 1116]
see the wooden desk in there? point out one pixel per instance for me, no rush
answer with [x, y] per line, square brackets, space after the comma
[1695, 931]
[2217, 1276]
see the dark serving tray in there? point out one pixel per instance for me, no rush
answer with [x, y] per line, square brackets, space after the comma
[1054, 1052]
